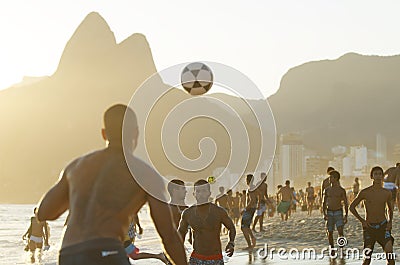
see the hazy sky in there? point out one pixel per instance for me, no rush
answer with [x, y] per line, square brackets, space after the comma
[263, 39]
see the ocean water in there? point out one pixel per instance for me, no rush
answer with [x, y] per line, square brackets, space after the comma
[14, 221]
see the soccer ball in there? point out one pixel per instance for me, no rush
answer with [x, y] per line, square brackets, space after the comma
[211, 179]
[196, 78]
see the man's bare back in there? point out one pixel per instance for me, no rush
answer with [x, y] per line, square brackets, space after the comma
[114, 195]
[101, 194]
[223, 201]
[286, 194]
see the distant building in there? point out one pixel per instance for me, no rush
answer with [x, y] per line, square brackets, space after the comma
[396, 153]
[315, 166]
[381, 149]
[291, 157]
[339, 152]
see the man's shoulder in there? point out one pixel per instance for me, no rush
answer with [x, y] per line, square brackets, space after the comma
[217, 210]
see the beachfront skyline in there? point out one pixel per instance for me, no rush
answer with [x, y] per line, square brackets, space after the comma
[262, 40]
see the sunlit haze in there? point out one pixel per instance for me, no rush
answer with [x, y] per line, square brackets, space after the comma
[262, 39]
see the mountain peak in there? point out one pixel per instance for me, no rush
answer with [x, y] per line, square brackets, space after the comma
[91, 39]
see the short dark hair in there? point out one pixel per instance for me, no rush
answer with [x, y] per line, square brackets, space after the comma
[377, 168]
[287, 182]
[329, 169]
[114, 119]
[172, 185]
[397, 164]
[334, 174]
[249, 178]
[202, 182]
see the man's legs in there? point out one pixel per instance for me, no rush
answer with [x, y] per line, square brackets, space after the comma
[246, 233]
[262, 222]
[32, 248]
[255, 222]
[390, 258]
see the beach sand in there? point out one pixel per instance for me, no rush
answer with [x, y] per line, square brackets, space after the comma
[300, 232]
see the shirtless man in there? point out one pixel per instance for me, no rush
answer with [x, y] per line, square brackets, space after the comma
[223, 200]
[36, 232]
[248, 213]
[310, 198]
[376, 226]
[286, 197]
[391, 182]
[333, 200]
[177, 191]
[205, 219]
[101, 194]
[236, 207]
[325, 184]
[262, 190]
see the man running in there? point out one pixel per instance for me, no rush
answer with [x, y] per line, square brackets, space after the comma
[248, 213]
[377, 225]
[310, 198]
[333, 201]
[205, 219]
[101, 194]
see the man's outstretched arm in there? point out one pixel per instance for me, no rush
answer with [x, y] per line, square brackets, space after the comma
[353, 209]
[171, 240]
[56, 201]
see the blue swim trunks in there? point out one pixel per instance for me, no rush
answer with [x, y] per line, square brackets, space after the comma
[247, 217]
[335, 218]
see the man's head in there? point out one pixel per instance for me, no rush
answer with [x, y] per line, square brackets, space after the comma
[377, 174]
[202, 191]
[329, 170]
[176, 189]
[334, 176]
[279, 186]
[249, 179]
[309, 184]
[287, 183]
[229, 192]
[120, 120]
[397, 164]
[263, 176]
[356, 179]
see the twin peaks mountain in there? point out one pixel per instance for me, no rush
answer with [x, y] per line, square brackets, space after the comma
[50, 120]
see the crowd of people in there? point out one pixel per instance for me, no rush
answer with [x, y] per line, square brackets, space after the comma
[103, 201]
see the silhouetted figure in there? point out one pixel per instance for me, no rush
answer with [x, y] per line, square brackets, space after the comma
[310, 197]
[37, 232]
[101, 194]
[286, 197]
[262, 189]
[248, 213]
[333, 201]
[391, 182]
